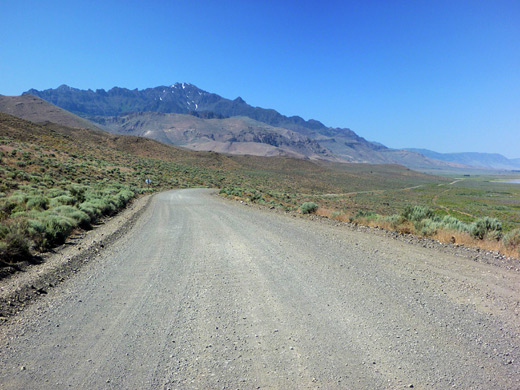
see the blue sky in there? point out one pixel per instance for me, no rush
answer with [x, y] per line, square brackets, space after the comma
[443, 75]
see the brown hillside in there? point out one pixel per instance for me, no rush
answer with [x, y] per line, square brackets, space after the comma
[37, 110]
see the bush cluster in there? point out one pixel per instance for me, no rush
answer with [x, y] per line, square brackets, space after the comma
[42, 219]
[427, 223]
[308, 208]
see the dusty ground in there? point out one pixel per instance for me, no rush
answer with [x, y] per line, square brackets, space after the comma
[200, 293]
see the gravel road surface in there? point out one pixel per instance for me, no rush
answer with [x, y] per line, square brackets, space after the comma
[206, 294]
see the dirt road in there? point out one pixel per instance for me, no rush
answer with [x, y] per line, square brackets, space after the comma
[205, 294]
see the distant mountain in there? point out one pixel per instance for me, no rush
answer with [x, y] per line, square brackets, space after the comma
[480, 160]
[179, 98]
[37, 110]
[116, 109]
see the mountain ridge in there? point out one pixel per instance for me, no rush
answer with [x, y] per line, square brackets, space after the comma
[101, 106]
[179, 98]
[475, 159]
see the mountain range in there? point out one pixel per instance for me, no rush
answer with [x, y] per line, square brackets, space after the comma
[184, 115]
[480, 160]
[124, 111]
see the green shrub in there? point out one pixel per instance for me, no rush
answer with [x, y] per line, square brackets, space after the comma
[91, 209]
[512, 239]
[77, 191]
[14, 248]
[13, 204]
[106, 206]
[56, 229]
[14, 244]
[122, 198]
[308, 208]
[36, 228]
[255, 196]
[365, 214]
[37, 202]
[394, 220]
[81, 218]
[417, 213]
[63, 200]
[55, 192]
[236, 191]
[427, 227]
[452, 223]
[486, 226]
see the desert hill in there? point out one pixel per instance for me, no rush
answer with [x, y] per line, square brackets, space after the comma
[37, 110]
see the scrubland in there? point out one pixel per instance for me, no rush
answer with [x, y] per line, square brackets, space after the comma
[56, 180]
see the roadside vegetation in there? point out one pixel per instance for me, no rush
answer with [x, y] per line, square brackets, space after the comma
[477, 212]
[486, 233]
[56, 180]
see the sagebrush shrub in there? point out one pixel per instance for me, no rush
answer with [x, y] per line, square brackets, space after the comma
[14, 244]
[64, 199]
[56, 229]
[512, 239]
[37, 202]
[417, 213]
[452, 223]
[483, 226]
[308, 208]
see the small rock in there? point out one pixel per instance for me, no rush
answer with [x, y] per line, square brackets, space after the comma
[22, 368]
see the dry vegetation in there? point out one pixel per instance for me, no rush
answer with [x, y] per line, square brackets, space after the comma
[54, 180]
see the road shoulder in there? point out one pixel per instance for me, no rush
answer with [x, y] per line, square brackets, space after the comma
[34, 281]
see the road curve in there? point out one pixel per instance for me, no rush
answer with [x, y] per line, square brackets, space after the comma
[205, 294]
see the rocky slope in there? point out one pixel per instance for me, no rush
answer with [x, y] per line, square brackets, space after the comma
[236, 135]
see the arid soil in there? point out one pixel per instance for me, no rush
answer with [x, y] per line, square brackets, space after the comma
[200, 293]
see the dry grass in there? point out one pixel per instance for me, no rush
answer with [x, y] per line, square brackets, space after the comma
[339, 216]
[323, 212]
[465, 239]
[444, 236]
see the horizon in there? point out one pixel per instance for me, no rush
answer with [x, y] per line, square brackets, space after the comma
[430, 76]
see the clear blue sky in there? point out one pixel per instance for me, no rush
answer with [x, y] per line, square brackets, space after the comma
[443, 75]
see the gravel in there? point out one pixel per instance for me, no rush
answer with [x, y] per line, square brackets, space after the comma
[200, 293]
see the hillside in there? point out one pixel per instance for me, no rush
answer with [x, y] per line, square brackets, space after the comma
[237, 135]
[38, 110]
[116, 109]
[171, 166]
